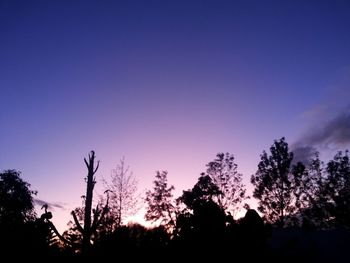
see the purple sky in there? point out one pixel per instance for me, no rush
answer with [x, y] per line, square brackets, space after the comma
[167, 84]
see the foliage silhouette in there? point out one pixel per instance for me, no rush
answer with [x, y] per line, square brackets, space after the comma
[273, 183]
[223, 172]
[160, 203]
[204, 190]
[322, 193]
[16, 201]
[337, 189]
[202, 223]
[311, 198]
[20, 230]
[308, 191]
[315, 214]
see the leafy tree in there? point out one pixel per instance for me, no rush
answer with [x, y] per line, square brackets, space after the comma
[322, 195]
[123, 197]
[223, 172]
[316, 213]
[309, 188]
[204, 190]
[273, 183]
[160, 204]
[302, 190]
[203, 221]
[16, 201]
[338, 189]
[20, 230]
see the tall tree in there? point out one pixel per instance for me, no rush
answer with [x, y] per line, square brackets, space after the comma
[322, 195]
[318, 203]
[123, 197]
[273, 182]
[309, 188]
[223, 172]
[161, 206]
[338, 189]
[302, 186]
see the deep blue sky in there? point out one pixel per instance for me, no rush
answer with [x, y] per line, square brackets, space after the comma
[167, 84]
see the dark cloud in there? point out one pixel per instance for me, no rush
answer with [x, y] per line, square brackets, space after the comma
[303, 154]
[333, 134]
[50, 205]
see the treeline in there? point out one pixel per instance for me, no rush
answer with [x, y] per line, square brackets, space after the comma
[312, 196]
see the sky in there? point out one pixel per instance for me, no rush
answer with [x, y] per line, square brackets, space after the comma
[166, 85]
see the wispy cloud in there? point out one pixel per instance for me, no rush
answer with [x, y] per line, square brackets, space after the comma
[49, 204]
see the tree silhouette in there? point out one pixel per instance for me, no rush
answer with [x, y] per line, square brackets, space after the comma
[16, 212]
[316, 213]
[223, 172]
[160, 204]
[273, 183]
[308, 184]
[89, 227]
[303, 193]
[322, 194]
[21, 232]
[338, 189]
[204, 190]
[252, 235]
[16, 201]
[123, 197]
[202, 223]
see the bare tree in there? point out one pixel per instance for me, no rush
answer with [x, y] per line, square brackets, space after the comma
[124, 200]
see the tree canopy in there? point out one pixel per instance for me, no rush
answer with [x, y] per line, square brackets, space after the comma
[16, 199]
[273, 183]
[160, 203]
[223, 172]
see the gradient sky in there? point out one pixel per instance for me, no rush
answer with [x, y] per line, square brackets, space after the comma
[167, 84]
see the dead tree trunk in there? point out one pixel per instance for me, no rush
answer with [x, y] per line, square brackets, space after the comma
[87, 231]
[90, 183]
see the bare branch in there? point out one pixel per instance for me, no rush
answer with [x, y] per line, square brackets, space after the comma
[76, 221]
[54, 229]
[98, 164]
